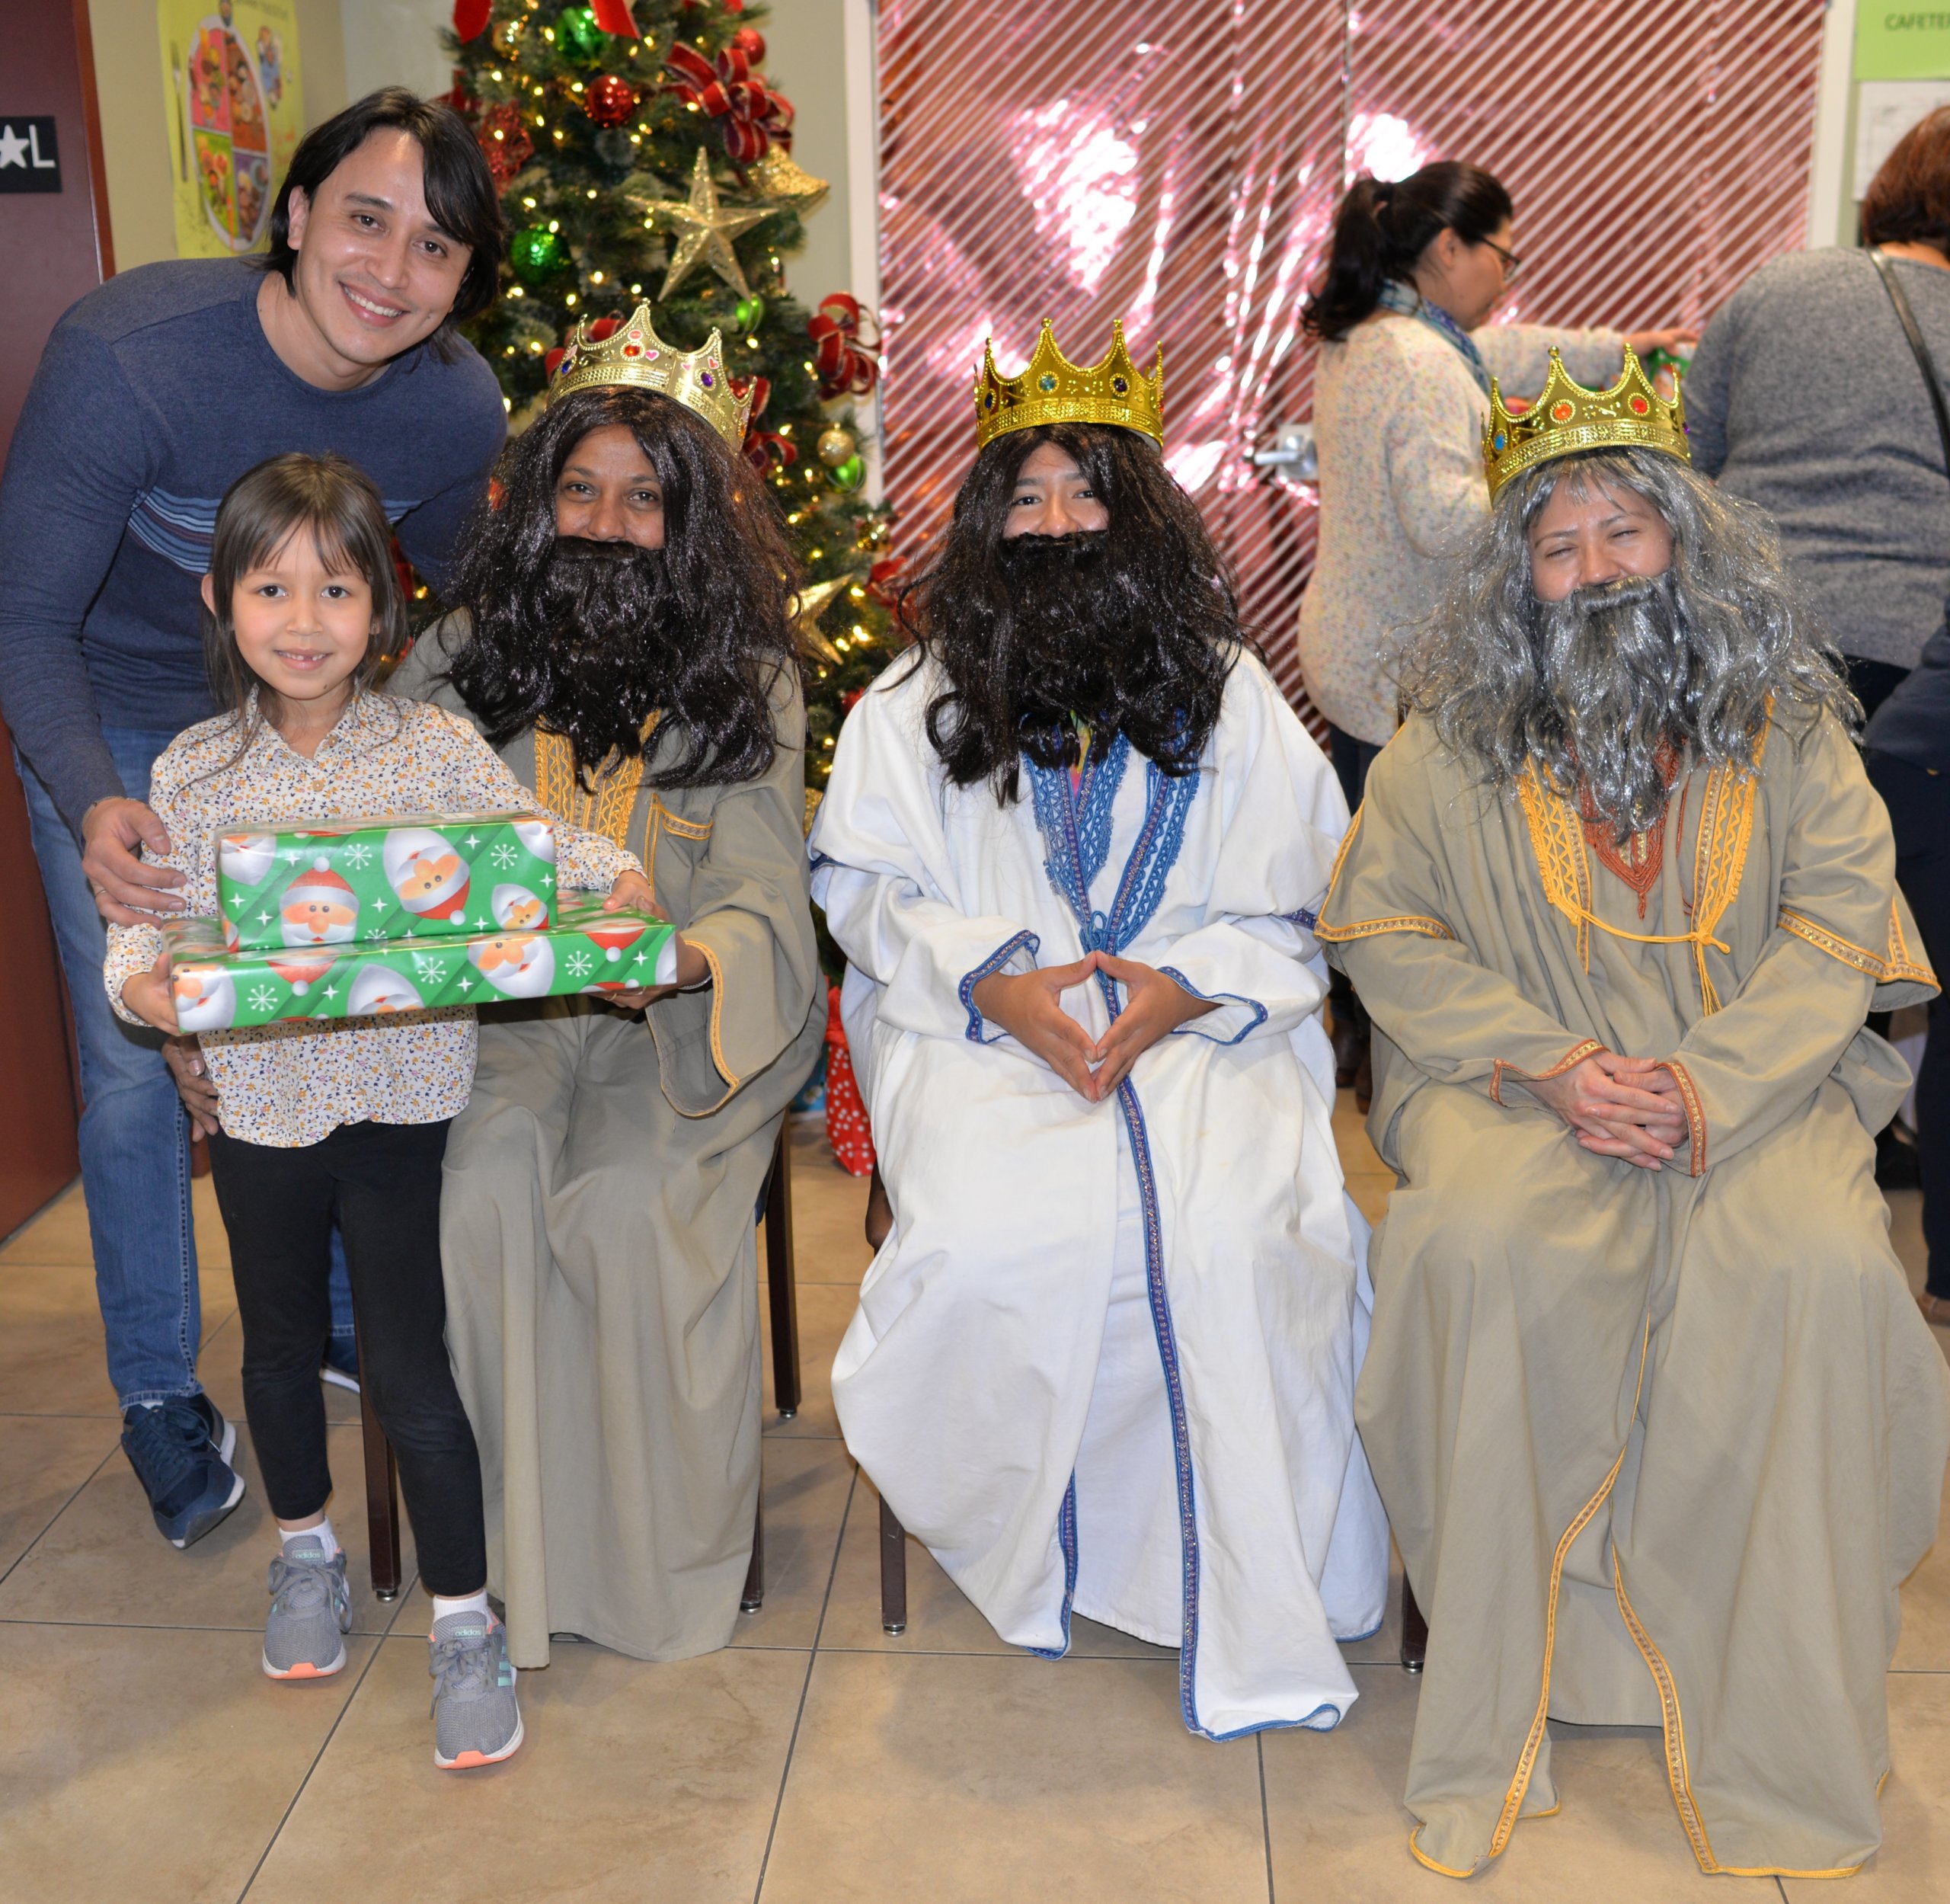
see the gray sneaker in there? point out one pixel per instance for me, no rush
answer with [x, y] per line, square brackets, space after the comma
[476, 1719]
[311, 1611]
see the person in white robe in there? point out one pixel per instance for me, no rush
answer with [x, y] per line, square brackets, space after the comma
[1104, 1363]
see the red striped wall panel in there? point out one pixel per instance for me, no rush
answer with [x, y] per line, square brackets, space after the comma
[1178, 168]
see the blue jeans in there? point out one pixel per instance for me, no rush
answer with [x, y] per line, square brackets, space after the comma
[135, 1138]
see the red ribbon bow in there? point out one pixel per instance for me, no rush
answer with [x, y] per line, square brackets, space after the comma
[613, 17]
[762, 446]
[755, 117]
[880, 583]
[847, 364]
[761, 390]
[600, 329]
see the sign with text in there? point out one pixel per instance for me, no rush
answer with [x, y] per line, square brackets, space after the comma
[1901, 42]
[230, 80]
[29, 161]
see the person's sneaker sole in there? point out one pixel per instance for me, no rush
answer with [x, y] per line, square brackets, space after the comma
[337, 1377]
[201, 1524]
[304, 1669]
[467, 1761]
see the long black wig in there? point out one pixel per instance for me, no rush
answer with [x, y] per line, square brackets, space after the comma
[695, 633]
[1132, 628]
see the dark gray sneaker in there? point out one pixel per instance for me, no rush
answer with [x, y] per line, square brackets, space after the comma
[476, 1719]
[310, 1612]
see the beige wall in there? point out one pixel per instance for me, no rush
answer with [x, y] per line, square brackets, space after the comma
[135, 125]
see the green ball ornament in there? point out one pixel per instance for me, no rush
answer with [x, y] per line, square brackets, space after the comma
[848, 476]
[536, 254]
[578, 35]
[749, 313]
[835, 445]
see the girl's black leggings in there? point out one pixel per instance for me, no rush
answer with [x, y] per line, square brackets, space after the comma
[381, 1182]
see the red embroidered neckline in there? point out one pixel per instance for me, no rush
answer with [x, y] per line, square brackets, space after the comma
[1638, 860]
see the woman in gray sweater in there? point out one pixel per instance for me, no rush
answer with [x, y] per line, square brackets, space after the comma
[1805, 397]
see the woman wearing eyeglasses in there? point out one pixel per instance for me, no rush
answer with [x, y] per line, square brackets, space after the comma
[1414, 268]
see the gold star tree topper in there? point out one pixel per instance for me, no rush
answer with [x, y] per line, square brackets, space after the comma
[810, 603]
[705, 232]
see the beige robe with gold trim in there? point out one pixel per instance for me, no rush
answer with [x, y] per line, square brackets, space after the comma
[596, 1224]
[1658, 1446]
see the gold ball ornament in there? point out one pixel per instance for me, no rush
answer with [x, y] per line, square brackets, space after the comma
[507, 36]
[835, 445]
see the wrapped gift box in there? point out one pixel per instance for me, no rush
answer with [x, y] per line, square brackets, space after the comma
[414, 875]
[586, 950]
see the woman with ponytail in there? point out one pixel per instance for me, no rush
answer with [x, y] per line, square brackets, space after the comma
[1414, 269]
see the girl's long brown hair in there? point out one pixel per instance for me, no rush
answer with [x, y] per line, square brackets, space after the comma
[332, 499]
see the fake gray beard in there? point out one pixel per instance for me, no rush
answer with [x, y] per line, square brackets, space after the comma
[1618, 674]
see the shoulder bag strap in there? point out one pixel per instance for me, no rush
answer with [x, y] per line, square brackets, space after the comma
[1908, 319]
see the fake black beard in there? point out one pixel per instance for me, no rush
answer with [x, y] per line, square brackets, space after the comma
[1069, 650]
[1616, 662]
[606, 611]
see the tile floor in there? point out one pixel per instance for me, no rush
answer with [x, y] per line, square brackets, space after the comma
[142, 1756]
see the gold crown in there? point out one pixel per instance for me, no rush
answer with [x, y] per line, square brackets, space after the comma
[1054, 390]
[1566, 418]
[631, 353]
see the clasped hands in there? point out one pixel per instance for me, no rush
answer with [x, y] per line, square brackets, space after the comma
[1619, 1107]
[1028, 1006]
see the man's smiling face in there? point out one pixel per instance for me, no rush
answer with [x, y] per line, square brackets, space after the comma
[375, 274]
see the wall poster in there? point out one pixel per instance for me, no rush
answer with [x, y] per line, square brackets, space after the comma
[231, 83]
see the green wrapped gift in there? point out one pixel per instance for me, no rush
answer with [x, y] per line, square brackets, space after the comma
[586, 950]
[405, 875]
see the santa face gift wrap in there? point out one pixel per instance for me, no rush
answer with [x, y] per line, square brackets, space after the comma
[586, 950]
[422, 875]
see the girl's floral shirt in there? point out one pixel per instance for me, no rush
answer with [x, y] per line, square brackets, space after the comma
[293, 1082]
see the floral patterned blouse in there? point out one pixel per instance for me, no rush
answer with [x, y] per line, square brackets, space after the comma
[1399, 421]
[294, 1082]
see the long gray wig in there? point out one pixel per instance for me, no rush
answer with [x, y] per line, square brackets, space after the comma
[1589, 688]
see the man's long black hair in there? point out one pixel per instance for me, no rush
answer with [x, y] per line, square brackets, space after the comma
[589, 640]
[1132, 628]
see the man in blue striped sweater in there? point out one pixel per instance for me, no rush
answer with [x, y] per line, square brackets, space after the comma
[155, 394]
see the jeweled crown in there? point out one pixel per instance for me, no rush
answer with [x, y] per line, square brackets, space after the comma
[1566, 418]
[604, 351]
[1054, 390]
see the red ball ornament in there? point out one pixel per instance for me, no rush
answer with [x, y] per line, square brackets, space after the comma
[609, 101]
[751, 43]
[504, 142]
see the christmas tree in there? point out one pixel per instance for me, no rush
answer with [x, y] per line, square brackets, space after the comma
[642, 154]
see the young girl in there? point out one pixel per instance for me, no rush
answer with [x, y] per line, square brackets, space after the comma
[347, 1118]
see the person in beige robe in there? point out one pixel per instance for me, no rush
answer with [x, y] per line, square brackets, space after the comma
[1658, 1427]
[597, 1221]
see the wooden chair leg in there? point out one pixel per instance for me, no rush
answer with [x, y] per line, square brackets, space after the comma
[894, 1572]
[780, 1286]
[1414, 1631]
[753, 1596]
[381, 1496]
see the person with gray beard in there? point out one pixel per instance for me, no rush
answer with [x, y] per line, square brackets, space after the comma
[1657, 1425]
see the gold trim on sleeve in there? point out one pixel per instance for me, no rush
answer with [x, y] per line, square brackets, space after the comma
[1370, 928]
[1901, 964]
[1576, 1055]
[1695, 1114]
[1892, 966]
